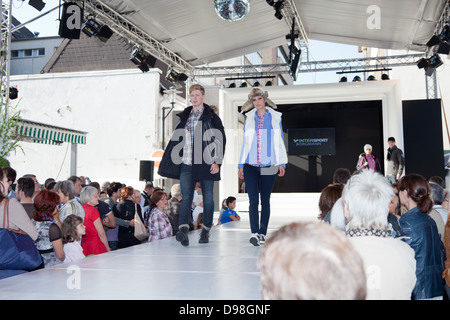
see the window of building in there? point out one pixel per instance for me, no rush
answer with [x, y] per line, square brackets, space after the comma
[27, 53]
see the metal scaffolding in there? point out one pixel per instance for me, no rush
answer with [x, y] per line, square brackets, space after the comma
[6, 47]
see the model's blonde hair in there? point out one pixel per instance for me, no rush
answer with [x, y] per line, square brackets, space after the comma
[196, 87]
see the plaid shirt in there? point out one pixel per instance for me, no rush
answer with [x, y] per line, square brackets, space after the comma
[260, 136]
[189, 135]
[159, 226]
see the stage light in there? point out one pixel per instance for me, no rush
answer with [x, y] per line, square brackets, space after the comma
[371, 78]
[441, 40]
[430, 64]
[269, 83]
[37, 4]
[357, 79]
[142, 59]
[385, 76]
[174, 76]
[243, 85]
[13, 93]
[343, 79]
[104, 33]
[232, 85]
[278, 6]
[93, 28]
[232, 10]
[256, 84]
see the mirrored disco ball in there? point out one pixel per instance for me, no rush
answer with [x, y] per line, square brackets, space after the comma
[232, 10]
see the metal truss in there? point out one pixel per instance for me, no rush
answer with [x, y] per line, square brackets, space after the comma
[5, 47]
[289, 12]
[443, 20]
[357, 64]
[119, 24]
[360, 64]
[249, 71]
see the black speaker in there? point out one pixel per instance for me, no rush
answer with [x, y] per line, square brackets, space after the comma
[71, 21]
[146, 170]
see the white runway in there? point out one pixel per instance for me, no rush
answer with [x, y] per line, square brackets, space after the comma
[225, 268]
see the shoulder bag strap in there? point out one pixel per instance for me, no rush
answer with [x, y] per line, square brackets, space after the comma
[6, 214]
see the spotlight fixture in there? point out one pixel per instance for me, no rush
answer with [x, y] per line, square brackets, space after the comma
[442, 40]
[232, 10]
[13, 93]
[37, 4]
[294, 64]
[93, 28]
[269, 83]
[356, 79]
[278, 6]
[256, 84]
[174, 76]
[243, 85]
[430, 64]
[385, 76]
[142, 59]
[343, 79]
[371, 78]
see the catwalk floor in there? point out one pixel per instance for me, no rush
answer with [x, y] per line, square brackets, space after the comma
[222, 269]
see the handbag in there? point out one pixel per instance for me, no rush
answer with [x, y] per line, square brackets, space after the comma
[140, 231]
[17, 249]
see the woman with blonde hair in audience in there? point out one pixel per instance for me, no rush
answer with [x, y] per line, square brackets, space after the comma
[422, 235]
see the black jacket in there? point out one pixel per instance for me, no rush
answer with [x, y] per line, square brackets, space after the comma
[209, 132]
[395, 161]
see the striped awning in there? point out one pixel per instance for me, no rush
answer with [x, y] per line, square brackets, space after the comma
[31, 131]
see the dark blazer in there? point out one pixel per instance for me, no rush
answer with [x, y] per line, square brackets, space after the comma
[125, 210]
[210, 134]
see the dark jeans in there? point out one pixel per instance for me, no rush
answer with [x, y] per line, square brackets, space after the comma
[187, 184]
[259, 181]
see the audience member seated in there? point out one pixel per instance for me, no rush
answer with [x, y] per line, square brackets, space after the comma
[438, 213]
[393, 216]
[114, 189]
[173, 207]
[198, 208]
[311, 261]
[11, 175]
[422, 235]
[125, 211]
[389, 262]
[341, 175]
[94, 241]
[229, 214]
[328, 197]
[46, 216]
[159, 226]
[66, 191]
[72, 230]
[18, 217]
[104, 210]
[25, 191]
